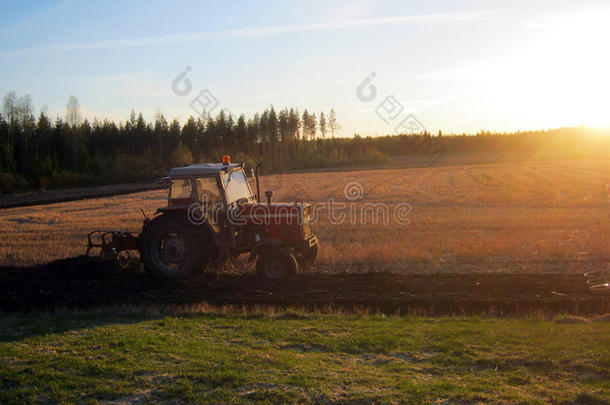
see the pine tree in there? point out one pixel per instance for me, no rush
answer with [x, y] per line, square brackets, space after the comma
[189, 133]
[273, 133]
[173, 135]
[42, 137]
[294, 121]
[4, 152]
[161, 131]
[241, 133]
[253, 133]
[312, 126]
[211, 138]
[284, 126]
[306, 125]
[27, 124]
[229, 134]
[272, 126]
[73, 118]
[323, 124]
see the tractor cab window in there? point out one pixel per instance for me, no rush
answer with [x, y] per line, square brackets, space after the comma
[181, 192]
[237, 186]
[207, 190]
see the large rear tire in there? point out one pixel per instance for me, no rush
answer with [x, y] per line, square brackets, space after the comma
[276, 263]
[172, 249]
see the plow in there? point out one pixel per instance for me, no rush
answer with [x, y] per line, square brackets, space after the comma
[211, 216]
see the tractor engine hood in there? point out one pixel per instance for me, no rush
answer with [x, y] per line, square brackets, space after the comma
[261, 211]
[289, 222]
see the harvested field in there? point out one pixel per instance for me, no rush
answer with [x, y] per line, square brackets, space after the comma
[527, 217]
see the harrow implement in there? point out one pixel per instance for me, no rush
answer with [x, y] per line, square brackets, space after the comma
[112, 244]
[598, 281]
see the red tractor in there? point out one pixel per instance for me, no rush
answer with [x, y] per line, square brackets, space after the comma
[212, 215]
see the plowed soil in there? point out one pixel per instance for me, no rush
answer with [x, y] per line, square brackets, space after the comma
[84, 282]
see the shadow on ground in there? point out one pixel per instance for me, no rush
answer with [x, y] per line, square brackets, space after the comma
[84, 282]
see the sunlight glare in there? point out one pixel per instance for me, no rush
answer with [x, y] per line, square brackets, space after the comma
[562, 78]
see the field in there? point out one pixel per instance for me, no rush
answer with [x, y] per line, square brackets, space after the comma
[197, 354]
[526, 217]
[473, 294]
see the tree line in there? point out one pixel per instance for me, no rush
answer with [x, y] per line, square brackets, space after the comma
[38, 153]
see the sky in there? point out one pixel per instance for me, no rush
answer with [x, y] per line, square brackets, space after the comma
[454, 66]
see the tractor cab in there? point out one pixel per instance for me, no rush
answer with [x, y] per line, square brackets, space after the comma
[208, 184]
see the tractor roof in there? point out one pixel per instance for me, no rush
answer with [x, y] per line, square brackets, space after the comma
[201, 169]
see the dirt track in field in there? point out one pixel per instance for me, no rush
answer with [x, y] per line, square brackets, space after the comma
[85, 282]
[74, 194]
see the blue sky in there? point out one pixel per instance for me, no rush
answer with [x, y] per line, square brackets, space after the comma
[456, 66]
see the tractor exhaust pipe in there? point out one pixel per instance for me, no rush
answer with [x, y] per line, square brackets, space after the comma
[258, 186]
[268, 194]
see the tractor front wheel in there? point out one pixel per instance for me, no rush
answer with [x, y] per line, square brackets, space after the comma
[276, 263]
[308, 258]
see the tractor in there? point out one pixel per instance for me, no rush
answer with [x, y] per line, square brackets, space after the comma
[211, 216]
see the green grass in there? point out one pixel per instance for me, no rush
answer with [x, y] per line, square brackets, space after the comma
[218, 356]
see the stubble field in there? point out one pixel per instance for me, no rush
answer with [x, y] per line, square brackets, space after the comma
[527, 217]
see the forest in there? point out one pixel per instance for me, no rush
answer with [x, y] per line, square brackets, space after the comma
[37, 152]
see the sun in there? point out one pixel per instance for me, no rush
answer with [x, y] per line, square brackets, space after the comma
[576, 68]
[560, 76]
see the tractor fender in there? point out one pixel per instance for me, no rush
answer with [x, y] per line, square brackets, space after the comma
[256, 250]
[180, 215]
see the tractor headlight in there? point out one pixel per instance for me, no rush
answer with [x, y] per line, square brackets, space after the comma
[307, 230]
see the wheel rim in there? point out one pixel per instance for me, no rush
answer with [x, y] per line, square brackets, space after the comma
[172, 252]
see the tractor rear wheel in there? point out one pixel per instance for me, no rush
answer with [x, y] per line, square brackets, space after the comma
[276, 263]
[170, 249]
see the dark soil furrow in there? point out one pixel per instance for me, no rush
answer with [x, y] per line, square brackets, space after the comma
[85, 282]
